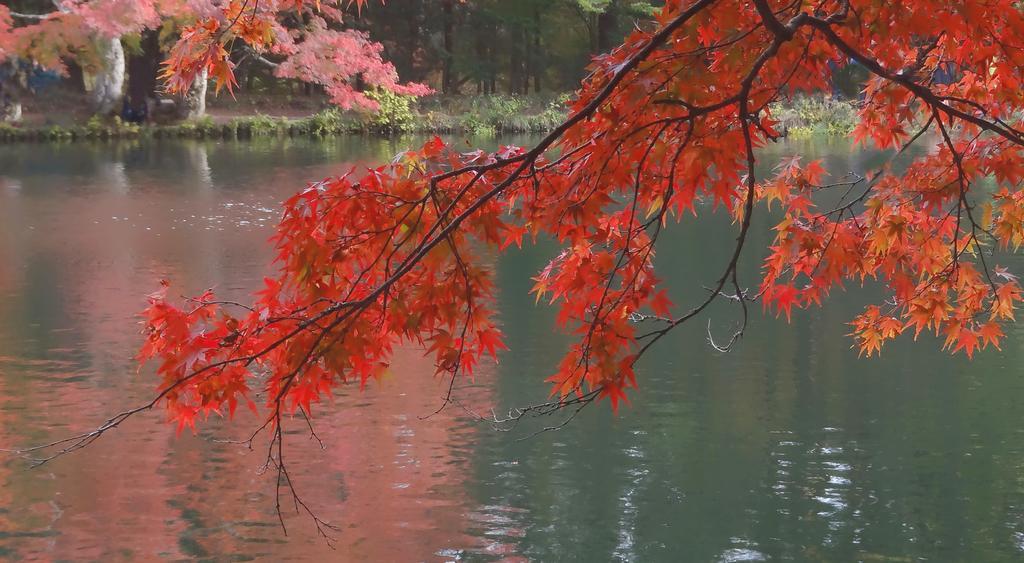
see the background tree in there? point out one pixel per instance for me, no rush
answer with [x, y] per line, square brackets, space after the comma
[307, 42]
[91, 36]
[605, 19]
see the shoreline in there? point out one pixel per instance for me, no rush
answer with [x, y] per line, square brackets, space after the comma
[799, 118]
[256, 126]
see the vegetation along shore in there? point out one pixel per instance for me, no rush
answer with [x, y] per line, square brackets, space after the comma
[474, 115]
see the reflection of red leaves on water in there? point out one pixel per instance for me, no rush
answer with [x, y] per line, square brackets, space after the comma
[395, 484]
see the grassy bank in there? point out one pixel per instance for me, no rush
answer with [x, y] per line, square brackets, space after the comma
[479, 115]
[470, 115]
[811, 116]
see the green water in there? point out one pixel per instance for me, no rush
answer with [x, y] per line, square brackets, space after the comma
[788, 448]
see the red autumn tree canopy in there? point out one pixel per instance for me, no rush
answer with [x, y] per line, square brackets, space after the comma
[666, 127]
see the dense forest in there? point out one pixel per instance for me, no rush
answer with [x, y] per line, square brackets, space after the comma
[492, 46]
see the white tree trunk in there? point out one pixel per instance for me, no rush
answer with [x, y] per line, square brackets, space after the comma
[193, 103]
[12, 91]
[108, 86]
[11, 111]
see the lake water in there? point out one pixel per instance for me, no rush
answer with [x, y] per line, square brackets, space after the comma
[787, 448]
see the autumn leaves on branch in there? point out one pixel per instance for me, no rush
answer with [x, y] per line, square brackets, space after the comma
[665, 126]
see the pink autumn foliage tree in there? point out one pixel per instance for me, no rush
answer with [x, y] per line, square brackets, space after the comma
[337, 60]
[320, 51]
[5, 31]
[48, 38]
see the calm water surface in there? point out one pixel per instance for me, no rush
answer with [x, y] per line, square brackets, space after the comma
[788, 448]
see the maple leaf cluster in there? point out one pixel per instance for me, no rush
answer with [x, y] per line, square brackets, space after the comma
[666, 127]
[355, 282]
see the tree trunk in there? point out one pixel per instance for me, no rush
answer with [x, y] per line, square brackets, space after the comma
[12, 90]
[515, 67]
[76, 77]
[412, 41]
[11, 110]
[193, 104]
[447, 72]
[528, 57]
[108, 84]
[483, 61]
[250, 76]
[607, 21]
[536, 68]
[143, 69]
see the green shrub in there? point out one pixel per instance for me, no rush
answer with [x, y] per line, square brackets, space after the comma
[258, 125]
[8, 132]
[474, 124]
[552, 116]
[437, 122]
[95, 127]
[202, 127]
[806, 116]
[58, 133]
[330, 121]
[394, 114]
[497, 113]
[100, 128]
[230, 129]
[484, 115]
